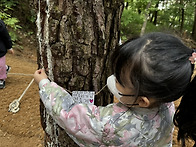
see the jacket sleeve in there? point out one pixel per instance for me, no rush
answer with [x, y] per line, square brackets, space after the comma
[80, 120]
[5, 37]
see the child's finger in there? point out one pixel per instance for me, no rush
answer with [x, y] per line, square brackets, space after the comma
[42, 71]
[37, 72]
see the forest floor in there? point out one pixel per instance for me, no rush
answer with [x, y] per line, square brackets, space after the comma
[23, 129]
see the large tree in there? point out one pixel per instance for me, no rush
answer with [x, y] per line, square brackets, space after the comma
[76, 39]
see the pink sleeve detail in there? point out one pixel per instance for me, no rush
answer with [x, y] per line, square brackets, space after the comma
[43, 83]
[78, 122]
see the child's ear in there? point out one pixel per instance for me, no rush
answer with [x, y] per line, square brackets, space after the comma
[144, 102]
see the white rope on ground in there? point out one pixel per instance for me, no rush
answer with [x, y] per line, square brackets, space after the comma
[21, 74]
[14, 106]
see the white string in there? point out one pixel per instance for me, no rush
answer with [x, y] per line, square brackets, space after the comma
[21, 74]
[100, 90]
[26, 89]
[95, 93]
[14, 106]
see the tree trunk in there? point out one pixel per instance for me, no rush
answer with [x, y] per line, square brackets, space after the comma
[182, 15]
[76, 39]
[146, 19]
[194, 26]
[156, 13]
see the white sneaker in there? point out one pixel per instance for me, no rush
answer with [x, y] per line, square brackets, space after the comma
[8, 69]
[2, 84]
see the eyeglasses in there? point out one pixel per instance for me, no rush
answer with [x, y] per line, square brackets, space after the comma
[129, 105]
[125, 94]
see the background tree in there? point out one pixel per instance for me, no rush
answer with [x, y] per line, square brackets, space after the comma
[145, 20]
[155, 14]
[164, 15]
[194, 25]
[182, 15]
[76, 39]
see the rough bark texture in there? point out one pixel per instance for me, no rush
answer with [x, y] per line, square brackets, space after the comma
[76, 39]
[194, 26]
[182, 15]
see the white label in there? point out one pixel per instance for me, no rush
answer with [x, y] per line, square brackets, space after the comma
[85, 97]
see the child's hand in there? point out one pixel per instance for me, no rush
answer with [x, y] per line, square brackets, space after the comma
[11, 51]
[39, 75]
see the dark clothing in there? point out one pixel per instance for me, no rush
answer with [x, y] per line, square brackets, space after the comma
[5, 39]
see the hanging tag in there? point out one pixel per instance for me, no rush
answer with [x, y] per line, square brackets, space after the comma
[85, 97]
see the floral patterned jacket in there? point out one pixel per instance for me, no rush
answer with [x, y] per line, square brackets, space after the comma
[113, 125]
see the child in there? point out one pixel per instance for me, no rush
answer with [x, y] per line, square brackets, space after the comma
[5, 46]
[149, 73]
[185, 117]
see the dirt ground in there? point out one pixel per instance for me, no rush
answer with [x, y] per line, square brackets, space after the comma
[23, 129]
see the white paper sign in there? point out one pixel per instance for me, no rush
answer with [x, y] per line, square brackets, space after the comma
[85, 97]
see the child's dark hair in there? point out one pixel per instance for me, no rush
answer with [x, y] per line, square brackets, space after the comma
[185, 117]
[157, 66]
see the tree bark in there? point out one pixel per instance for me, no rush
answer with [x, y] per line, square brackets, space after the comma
[156, 13]
[76, 39]
[145, 21]
[194, 26]
[182, 15]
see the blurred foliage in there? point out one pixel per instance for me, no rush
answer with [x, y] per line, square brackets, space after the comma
[163, 15]
[11, 22]
[131, 23]
[17, 21]
[169, 16]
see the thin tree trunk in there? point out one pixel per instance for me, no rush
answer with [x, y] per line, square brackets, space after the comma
[146, 19]
[156, 13]
[182, 16]
[194, 26]
[76, 39]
